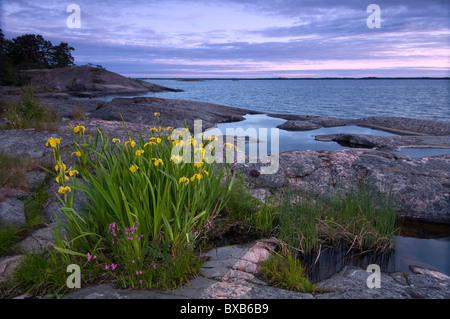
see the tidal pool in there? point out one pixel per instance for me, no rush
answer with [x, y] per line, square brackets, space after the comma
[423, 152]
[419, 243]
[288, 140]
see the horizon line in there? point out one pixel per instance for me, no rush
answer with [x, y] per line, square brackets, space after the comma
[296, 78]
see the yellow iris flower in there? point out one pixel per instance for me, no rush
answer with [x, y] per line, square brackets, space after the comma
[65, 177]
[134, 168]
[73, 172]
[139, 152]
[64, 190]
[60, 166]
[77, 153]
[198, 176]
[184, 180]
[53, 141]
[79, 128]
[131, 142]
[156, 162]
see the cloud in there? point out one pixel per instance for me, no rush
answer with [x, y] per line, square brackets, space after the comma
[226, 37]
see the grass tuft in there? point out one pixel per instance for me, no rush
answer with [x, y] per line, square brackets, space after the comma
[286, 272]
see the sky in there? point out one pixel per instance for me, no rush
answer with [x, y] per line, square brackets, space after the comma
[246, 38]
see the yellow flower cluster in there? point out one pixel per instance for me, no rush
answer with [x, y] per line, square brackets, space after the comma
[62, 169]
[60, 166]
[197, 176]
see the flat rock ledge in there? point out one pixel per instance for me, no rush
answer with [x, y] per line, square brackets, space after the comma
[396, 125]
[231, 273]
[420, 186]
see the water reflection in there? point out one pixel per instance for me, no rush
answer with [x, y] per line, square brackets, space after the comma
[291, 140]
[419, 243]
[333, 260]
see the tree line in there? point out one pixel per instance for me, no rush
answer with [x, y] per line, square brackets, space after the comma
[31, 51]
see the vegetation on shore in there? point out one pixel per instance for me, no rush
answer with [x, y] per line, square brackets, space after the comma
[13, 170]
[29, 112]
[30, 51]
[148, 216]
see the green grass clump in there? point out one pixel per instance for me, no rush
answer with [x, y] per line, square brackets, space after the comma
[166, 274]
[13, 170]
[8, 237]
[286, 272]
[45, 274]
[33, 220]
[29, 113]
[364, 219]
[34, 206]
[243, 207]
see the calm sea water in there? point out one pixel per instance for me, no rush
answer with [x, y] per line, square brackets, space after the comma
[426, 99]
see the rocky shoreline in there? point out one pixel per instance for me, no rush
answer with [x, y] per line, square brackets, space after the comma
[421, 185]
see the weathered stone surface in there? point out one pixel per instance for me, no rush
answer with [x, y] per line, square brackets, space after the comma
[12, 213]
[37, 242]
[30, 143]
[397, 125]
[386, 142]
[8, 265]
[406, 126]
[61, 104]
[88, 82]
[297, 125]
[53, 209]
[175, 113]
[420, 186]
[300, 122]
[35, 179]
[351, 283]
[229, 282]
